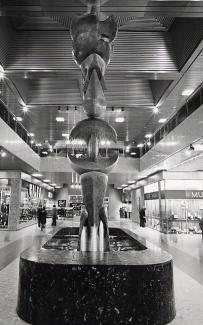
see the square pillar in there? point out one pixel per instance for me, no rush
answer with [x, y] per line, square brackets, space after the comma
[14, 209]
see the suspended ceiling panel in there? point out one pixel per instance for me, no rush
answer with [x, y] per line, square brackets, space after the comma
[44, 50]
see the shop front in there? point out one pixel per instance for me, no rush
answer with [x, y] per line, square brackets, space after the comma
[171, 209]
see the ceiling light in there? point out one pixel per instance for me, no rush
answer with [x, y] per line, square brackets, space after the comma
[124, 185]
[102, 142]
[131, 182]
[46, 180]
[44, 152]
[60, 119]
[32, 141]
[65, 135]
[1, 72]
[58, 186]
[155, 110]
[149, 143]
[3, 154]
[38, 144]
[162, 120]
[25, 109]
[19, 119]
[119, 119]
[140, 145]
[148, 135]
[133, 153]
[187, 92]
[37, 175]
[53, 184]
[31, 134]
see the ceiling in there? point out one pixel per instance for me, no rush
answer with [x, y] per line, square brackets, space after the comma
[158, 53]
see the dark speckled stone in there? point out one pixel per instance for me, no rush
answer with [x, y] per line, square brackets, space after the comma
[60, 287]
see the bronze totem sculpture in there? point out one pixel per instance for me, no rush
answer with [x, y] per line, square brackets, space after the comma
[92, 50]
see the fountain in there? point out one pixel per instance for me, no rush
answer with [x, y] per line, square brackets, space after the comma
[92, 274]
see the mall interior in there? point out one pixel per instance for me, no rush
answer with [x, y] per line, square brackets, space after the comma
[152, 102]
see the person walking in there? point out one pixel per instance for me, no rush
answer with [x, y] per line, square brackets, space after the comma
[201, 226]
[43, 218]
[39, 215]
[142, 217]
[54, 215]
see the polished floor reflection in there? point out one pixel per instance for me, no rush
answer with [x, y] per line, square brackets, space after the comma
[187, 251]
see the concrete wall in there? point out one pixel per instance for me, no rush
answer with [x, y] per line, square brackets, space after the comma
[115, 204]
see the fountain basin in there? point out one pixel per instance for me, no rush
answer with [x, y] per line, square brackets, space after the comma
[62, 286]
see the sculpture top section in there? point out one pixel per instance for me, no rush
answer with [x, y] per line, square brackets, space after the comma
[92, 36]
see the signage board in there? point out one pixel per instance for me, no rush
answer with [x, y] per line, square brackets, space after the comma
[61, 203]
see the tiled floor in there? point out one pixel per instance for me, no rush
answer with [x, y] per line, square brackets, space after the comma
[187, 252]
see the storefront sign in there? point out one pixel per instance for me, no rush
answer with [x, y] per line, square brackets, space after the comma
[194, 194]
[151, 196]
[61, 203]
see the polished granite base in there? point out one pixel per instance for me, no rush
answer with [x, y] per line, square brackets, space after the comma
[120, 287]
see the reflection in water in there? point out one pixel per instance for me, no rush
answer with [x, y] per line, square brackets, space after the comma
[101, 237]
[93, 239]
[83, 243]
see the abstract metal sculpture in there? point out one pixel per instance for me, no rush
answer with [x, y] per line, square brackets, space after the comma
[92, 51]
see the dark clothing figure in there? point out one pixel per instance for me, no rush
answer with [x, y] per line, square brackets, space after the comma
[43, 218]
[201, 226]
[54, 215]
[142, 218]
[39, 216]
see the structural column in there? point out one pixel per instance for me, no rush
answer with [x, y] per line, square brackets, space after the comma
[14, 209]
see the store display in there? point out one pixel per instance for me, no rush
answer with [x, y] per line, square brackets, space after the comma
[5, 192]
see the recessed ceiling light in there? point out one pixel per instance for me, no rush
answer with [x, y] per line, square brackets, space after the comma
[187, 92]
[19, 119]
[46, 180]
[3, 154]
[155, 110]
[119, 119]
[25, 109]
[31, 134]
[149, 143]
[133, 153]
[131, 182]
[32, 141]
[123, 185]
[44, 152]
[148, 135]
[60, 119]
[65, 135]
[1, 72]
[58, 186]
[140, 145]
[38, 144]
[37, 175]
[53, 184]
[162, 120]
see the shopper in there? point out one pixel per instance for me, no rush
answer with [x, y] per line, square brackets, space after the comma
[54, 215]
[43, 218]
[142, 217]
[39, 215]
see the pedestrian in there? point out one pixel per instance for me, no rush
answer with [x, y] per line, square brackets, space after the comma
[201, 226]
[54, 215]
[142, 217]
[43, 218]
[39, 215]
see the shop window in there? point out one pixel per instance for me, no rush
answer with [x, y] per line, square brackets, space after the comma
[181, 114]
[5, 192]
[194, 103]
